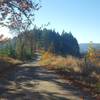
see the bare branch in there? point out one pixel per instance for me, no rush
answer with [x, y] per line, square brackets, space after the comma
[16, 13]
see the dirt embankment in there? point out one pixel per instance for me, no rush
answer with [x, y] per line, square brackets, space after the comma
[6, 63]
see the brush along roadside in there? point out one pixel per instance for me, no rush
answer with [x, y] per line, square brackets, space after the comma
[7, 63]
[85, 76]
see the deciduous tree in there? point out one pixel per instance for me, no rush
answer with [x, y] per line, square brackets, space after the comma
[17, 14]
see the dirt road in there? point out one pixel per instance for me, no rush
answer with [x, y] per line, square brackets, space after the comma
[31, 82]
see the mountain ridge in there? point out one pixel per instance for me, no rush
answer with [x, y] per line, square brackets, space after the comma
[84, 46]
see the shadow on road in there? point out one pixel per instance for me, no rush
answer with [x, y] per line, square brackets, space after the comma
[36, 83]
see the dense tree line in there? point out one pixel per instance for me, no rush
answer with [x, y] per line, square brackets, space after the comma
[26, 43]
[64, 44]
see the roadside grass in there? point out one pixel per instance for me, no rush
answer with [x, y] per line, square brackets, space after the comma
[70, 63]
[8, 63]
[63, 63]
[10, 60]
[87, 73]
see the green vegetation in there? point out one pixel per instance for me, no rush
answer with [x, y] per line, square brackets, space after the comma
[26, 43]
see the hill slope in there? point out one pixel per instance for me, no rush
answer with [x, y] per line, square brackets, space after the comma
[84, 46]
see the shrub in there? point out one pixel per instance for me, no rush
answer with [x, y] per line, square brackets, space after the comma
[70, 63]
[47, 55]
[63, 63]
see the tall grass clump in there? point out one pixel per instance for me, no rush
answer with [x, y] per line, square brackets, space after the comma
[68, 63]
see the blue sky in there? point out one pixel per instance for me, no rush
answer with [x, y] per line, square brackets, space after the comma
[81, 17]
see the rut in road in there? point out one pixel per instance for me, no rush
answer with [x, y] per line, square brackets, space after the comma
[32, 82]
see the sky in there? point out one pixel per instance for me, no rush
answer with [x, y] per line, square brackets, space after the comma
[81, 17]
[6, 32]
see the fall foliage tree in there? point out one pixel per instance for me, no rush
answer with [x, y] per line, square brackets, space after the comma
[91, 56]
[17, 14]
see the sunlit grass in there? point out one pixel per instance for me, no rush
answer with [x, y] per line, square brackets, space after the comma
[8, 63]
[9, 60]
[87, 71]
[59, 62]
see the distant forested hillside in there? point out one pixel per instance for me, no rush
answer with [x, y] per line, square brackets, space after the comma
[84, 46]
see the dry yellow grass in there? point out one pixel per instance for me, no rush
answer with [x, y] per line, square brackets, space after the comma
[8, 63]
[68, 63]
[59, 62]
[73, 65]
[10, 60]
